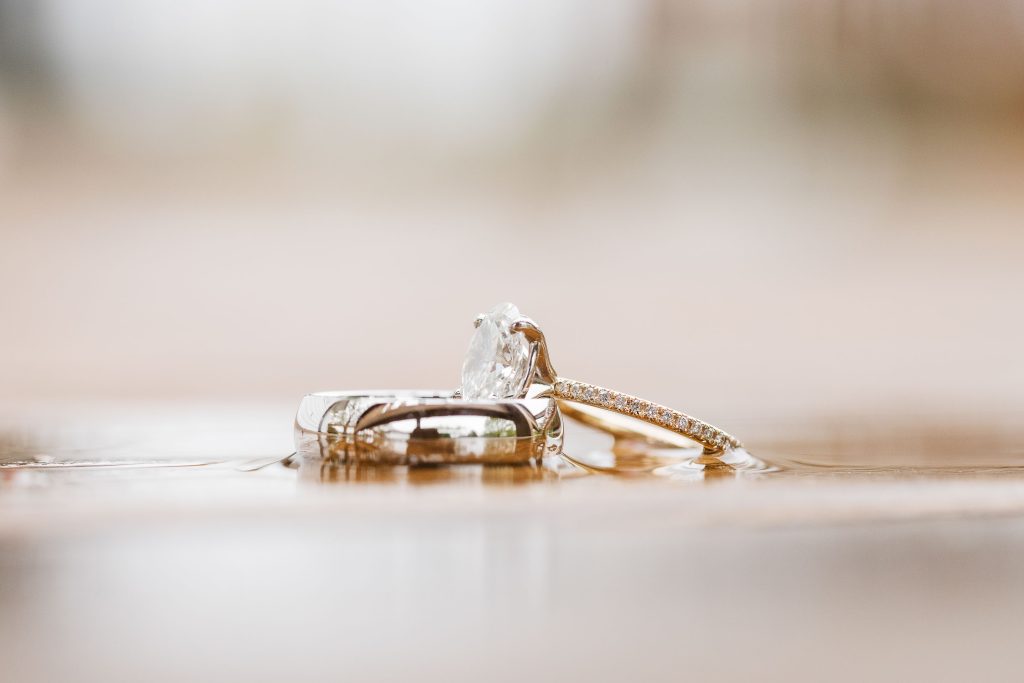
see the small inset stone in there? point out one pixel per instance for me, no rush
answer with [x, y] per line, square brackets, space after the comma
[621, 403]
[602, 397]
[589, 394]
[667, 416]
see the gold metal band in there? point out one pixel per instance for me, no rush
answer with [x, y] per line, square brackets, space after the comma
[711, 438]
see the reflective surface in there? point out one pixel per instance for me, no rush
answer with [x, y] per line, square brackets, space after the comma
[185, 544]
[402, 427]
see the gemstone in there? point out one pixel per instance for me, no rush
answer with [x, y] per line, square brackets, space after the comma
[653, 411]
[588, 394]
[682, 423]
[602, 397]
[620, 402]
[497, 364]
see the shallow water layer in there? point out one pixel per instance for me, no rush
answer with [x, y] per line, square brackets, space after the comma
[174, 447]
[148, 435]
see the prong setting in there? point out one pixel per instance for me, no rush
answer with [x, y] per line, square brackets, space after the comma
[529, 329]
[543, 370]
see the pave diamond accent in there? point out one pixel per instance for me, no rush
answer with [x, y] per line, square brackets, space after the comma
[680, 423]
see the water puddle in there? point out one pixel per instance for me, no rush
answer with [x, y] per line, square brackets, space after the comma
[835, 451]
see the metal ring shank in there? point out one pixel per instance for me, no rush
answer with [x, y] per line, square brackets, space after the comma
[713, 440]
[416, 427]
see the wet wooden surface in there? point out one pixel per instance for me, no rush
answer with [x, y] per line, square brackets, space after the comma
[168, 543]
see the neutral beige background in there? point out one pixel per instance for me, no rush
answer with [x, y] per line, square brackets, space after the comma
[753, 211]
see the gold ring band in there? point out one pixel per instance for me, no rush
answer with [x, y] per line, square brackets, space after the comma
[712, 438]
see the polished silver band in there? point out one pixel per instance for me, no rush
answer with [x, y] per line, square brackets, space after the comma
[425, 427]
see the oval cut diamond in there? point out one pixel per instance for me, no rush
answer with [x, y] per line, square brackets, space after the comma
[497, 364]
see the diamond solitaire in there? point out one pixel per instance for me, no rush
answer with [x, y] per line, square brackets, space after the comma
[498, 363]
[508, 358]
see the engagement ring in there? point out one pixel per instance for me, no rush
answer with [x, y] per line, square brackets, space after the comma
[508, 358]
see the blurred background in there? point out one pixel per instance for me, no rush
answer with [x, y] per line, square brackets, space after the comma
[771, 214]
[752, 210]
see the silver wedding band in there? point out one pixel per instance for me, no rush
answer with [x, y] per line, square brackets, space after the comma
[408, 427]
